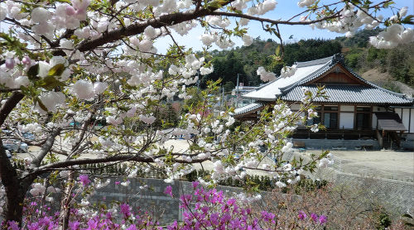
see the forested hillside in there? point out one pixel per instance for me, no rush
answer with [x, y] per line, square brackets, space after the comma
[395, 64]
[398, 63]
[245, 60]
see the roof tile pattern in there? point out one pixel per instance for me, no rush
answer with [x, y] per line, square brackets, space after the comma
[349, 94]
[248, 108]
[290, 89]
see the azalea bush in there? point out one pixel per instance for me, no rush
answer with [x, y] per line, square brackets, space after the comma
[341, 205]
[212, 209]
[83, 81]
[202, 209]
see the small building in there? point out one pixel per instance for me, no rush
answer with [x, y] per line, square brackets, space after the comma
[237, 93]
[355, 109]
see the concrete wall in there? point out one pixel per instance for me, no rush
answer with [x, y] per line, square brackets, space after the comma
[396, 196]
[164, 208]
[342, 144]
[151, 199]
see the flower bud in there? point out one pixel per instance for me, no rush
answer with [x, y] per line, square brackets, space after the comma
[10, 63]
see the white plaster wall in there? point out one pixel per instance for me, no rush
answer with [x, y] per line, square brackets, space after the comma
[346, 120]
[405, 117]
[374, 121]
[412, 121]
[348, 108]
[294, 107]
[378, 109]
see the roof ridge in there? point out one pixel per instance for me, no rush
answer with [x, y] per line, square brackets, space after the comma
[313, 62]
[310, 76]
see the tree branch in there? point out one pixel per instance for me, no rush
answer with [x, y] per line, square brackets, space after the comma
[10, 104]
[46, 147]
[164, 20]
[268, 20]
[118, 158]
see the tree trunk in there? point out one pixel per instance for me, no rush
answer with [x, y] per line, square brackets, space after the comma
[66, 200]
[15, 188]
[15, 195]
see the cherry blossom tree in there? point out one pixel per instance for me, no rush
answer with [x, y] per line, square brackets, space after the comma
[83, 81]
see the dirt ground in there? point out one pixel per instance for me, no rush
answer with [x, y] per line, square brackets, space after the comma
[380, 164]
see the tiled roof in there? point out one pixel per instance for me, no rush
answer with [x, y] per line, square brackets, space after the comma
[272, 90]
[390, 121]
[350, 94]
[248, 108]
[289, 88]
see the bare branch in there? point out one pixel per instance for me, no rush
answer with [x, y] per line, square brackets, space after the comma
[10, 104]
[47, 146]
[276, 22]
[112, 159]
[164, 20]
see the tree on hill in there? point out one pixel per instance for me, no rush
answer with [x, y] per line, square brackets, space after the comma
[362, 56]
[68, 65]
[245, 60]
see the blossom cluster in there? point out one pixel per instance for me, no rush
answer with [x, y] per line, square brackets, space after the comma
[264, 75]
[352, 18]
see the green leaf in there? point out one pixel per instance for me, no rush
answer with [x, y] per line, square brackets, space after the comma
[42, 106]
[408, 19]
[407, 215]
[33, 72]
[387, 4]
[56, 70]
[277, 52]
[6, 37]
[50, 83]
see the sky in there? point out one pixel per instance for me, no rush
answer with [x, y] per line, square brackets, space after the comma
[284, 10]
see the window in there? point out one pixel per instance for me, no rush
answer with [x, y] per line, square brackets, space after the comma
[330, 108]
[362, 121]
[315, 120]
[363, 118]
[327, 115]
[363, 109]
[330, 116]
[330, 120]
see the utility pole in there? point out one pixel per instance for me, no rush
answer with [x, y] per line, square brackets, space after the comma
[237, 91]
[222, 97]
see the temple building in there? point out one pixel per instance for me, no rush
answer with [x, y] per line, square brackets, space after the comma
[355, 109]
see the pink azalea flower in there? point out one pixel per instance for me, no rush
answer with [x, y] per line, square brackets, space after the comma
[323, 219]
[314, 217]
[84, 179]
[168, 191]
[302, 215]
